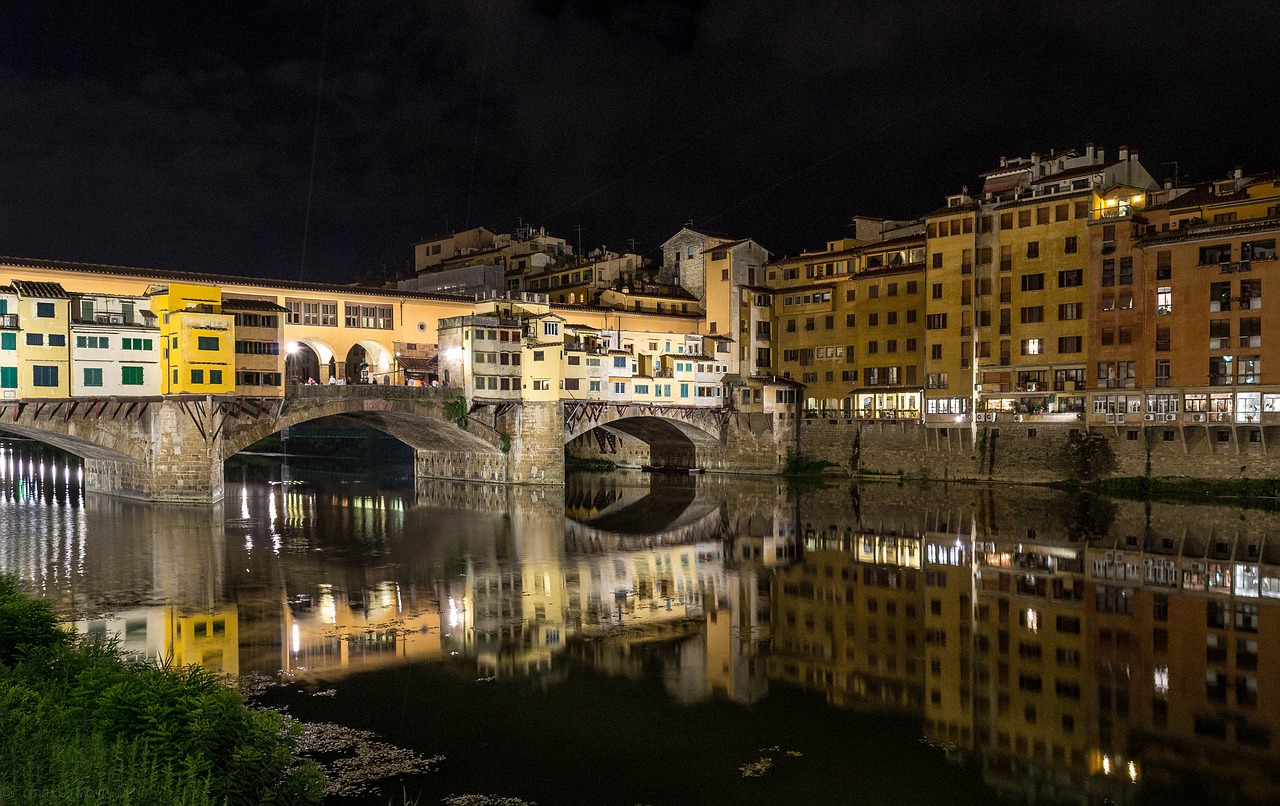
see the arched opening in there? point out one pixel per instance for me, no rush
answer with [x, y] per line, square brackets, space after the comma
[369, 362]
[304, 360]
[648, 441]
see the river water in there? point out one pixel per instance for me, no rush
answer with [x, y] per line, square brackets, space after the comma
[663, 639]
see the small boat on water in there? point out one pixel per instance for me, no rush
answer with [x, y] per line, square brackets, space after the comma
[671, 469]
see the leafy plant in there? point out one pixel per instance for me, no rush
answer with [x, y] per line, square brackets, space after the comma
[1087, 456]
[455, 411]
[797, 464]
[24, 622]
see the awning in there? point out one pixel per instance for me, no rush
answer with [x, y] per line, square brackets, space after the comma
[413, 363]
[1001, 182]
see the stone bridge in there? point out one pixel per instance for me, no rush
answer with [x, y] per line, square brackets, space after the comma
[714, 439]
[173, 448]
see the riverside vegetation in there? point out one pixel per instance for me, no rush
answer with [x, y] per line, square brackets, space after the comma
[81, 725]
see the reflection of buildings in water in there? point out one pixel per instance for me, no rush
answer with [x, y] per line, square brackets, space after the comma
[846, 619]
[1068, 670]
[331, 630]
[165, 634]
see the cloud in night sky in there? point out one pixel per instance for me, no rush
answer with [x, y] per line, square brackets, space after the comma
[182, 138]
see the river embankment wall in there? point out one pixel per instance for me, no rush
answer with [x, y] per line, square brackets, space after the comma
[1035, 453]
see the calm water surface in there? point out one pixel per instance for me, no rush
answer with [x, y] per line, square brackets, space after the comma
[639, 639]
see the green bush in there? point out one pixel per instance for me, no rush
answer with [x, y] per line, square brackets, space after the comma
[24, 623]
[72, 713]
[797, 464]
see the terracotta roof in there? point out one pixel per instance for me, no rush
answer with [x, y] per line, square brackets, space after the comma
[967, 207]
[237, 304]
[1199, 196]
[160, 275]
[1072, 173]
[1212, 231]
[901, 240]
[415, 363]
[26, 288]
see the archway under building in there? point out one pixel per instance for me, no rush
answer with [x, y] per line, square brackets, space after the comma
[369, 362]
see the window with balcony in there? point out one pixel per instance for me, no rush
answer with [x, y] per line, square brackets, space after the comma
[1215, 254]
[1220, 334]
[1250, 295]
[1248, 369]
[1221, 371]
[1164, 300]
[1258, 250]
[1250, 331]
[1220, 297]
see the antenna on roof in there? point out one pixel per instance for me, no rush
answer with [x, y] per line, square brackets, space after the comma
[631, 244]
[1175, 172]
[579, 229]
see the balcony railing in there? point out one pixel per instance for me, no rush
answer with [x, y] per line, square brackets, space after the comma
[9, 321]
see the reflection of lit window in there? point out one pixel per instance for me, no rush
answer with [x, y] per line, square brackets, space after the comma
[1160, 679]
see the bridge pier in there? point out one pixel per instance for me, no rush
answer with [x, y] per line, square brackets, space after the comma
[172, 449]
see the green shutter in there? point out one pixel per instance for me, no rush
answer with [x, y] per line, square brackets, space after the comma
[9, 377]
[8, 341]
[131, 376]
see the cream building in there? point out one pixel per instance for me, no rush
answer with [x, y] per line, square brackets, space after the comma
[115, 346]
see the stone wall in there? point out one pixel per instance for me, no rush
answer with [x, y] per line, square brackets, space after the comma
[1027, 452]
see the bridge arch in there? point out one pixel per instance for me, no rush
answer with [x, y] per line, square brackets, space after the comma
[412, 416]
[96, 448]
[673, 436]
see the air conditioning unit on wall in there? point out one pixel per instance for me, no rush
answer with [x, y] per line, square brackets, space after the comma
[1197, 417]
[1149, 417]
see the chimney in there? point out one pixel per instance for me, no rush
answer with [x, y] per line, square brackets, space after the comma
[1102, 156]
[1123, 156]
[1035, 157]
[1004, 161]
[1168, 184]
[1133, 156]
[1238, 173]
[1088, 152]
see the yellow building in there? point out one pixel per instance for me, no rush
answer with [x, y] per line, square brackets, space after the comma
[1031, 303]
[199, 339]
[260, 353]
[44, 358]
[952, 253]
[888, 305]
[730, 267]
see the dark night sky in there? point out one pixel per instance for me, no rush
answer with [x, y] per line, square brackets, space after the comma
[179, 136]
